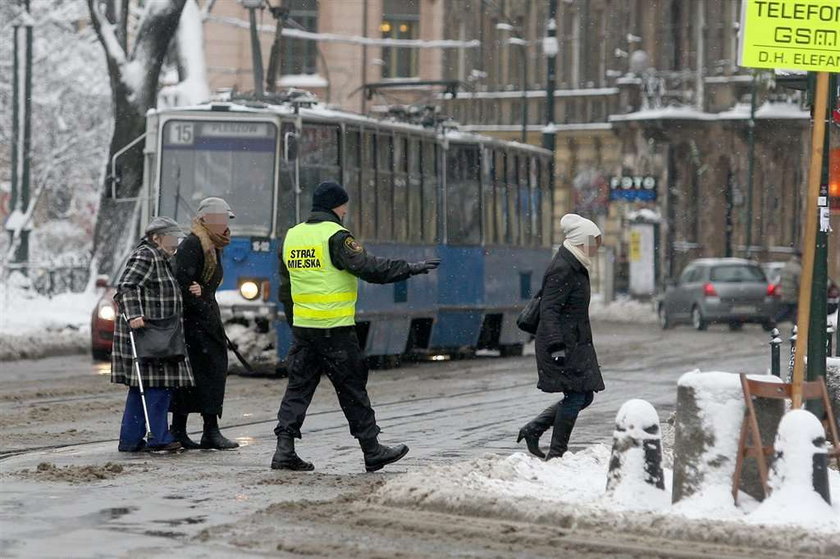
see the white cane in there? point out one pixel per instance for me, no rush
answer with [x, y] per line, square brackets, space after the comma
[149, 434]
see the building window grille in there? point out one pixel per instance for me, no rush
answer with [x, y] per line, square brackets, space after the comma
[300, 56]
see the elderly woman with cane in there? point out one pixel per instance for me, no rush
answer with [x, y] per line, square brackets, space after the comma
[199, 272]
[147, 291]
[566, 359]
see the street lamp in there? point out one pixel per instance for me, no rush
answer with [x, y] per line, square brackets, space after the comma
[550, 48]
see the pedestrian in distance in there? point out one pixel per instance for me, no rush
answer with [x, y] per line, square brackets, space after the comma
[319, 267]
[789, 277]
[146, 290]
[566, 359]
[198, 268]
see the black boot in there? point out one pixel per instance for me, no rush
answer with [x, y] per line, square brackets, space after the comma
[179, 431]
[535, 428]
[285, 457]
[378, 456]
[563, 426]
[212, 437]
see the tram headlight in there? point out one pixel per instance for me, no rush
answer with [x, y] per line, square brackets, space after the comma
[107, 312]
[249, 289]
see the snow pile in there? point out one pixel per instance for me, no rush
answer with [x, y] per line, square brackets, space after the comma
[32, 325]
[622, 310]
[570, 493]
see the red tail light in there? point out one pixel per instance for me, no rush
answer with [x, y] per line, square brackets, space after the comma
[774, 290]
[709, 290]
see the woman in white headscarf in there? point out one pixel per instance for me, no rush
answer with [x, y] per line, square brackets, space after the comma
[566, 359]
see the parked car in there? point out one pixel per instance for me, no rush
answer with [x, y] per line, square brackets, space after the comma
[773, 272]
[732, 291]
[102, 321]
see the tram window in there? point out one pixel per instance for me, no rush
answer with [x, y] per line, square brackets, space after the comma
[353, 178]
[547, 205]
[524, 202]
[429, 207]
[536, 197]
[231, 158]
[368, 173]
[400, 189]
[512, 191]
[463, 193]
[499, 196]
[384, 187]
[287, 201]
[487, 197]
[319, 156]
[415, 192]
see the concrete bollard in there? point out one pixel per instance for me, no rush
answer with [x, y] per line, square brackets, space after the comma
[710, 411]
[801, 463]
[636, 458]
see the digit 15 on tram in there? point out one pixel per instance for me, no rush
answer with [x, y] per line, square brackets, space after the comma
[483, 206]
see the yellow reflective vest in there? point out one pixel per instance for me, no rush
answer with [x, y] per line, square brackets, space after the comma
[323, 295]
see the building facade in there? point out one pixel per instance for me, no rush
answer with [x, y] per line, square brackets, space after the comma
[648, 91]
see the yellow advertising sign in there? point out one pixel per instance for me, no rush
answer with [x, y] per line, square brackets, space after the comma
[791, 34]
[635, 246]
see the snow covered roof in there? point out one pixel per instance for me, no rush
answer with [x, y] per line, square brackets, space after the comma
[741, 111]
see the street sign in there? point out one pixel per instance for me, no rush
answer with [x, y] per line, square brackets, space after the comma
[633, 188]
[791, 34]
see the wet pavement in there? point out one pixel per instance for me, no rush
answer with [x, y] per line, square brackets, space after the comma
[68, 493]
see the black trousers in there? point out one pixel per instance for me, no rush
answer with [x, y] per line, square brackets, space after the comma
[336, 353]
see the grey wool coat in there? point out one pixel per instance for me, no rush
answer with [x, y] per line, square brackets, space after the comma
[147, 288]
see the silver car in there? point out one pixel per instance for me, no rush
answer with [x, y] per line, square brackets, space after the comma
[719, 290]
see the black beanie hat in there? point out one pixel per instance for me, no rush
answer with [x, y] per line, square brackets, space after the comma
[329, 195]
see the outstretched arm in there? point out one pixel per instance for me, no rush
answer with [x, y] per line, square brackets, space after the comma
[348, 254]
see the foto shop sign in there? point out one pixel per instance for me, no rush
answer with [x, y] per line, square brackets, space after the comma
[633, 188]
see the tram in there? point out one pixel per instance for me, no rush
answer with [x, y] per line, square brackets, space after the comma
[481, 205]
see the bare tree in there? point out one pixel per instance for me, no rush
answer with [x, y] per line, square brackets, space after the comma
[134, 73]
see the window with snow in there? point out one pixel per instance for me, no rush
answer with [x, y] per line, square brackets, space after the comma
[300, 56]
[400, 20]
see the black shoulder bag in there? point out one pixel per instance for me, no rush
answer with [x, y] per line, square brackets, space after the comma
[162, 339]
[529, 318]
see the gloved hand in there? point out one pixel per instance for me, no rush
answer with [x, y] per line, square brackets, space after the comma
[423, 266]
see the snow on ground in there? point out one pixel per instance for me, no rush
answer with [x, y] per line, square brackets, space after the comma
[33, 325]
[622, 310]
[571, 493]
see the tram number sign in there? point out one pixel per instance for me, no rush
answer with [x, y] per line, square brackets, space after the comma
[260, 244]
[633, 188]
[791, 34]
[182, 134]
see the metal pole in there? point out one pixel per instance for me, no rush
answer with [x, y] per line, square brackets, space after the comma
[775, 353]
[256, 55]
[818, 132]
[819, 312]
[550, 48]
[21, 129]
[751, 169]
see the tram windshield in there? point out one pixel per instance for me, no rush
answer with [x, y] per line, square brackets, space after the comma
[234, 160]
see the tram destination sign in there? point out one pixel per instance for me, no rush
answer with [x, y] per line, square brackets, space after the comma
[791, 34]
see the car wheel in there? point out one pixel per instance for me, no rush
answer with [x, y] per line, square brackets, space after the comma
[735, 326]
[100, 354]
[664, 319]
[697, 319]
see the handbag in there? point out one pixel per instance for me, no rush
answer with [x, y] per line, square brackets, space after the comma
[162, 339]
[529, 318]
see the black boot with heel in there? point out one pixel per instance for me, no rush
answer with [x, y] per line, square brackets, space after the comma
[212, 437]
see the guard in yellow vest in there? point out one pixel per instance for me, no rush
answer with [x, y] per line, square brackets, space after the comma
[319, 267]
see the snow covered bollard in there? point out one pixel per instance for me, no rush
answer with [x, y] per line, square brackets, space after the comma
[710, 411]
[636, 459]
[832, 382]
[799, 478]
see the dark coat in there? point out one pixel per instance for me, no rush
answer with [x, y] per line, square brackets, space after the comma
[203, 331]
[146, 288]
[564, 325]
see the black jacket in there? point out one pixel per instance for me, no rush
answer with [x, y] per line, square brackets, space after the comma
[203, 332]
[346, 254]
[564, 326]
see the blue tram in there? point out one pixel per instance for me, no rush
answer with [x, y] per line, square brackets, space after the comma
[482, 205]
